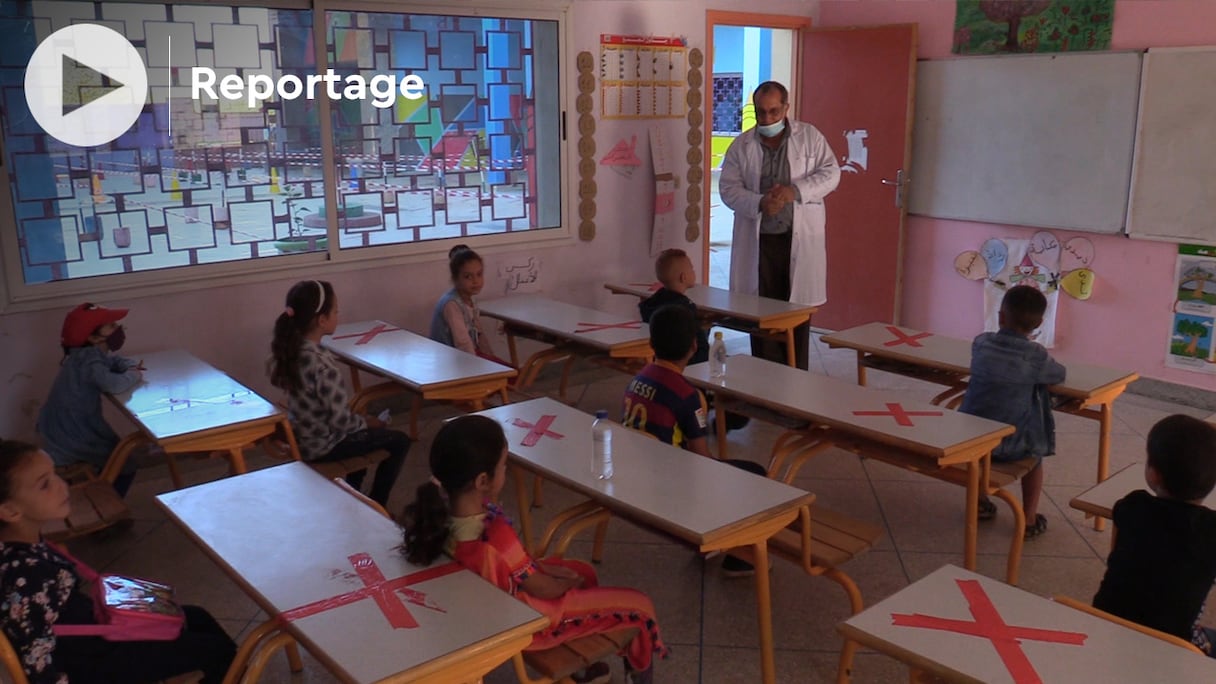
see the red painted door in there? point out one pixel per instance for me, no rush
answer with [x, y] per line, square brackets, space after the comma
[857, 88]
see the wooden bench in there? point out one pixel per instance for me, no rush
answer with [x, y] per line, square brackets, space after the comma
[95, 504]
[558, 664]
[795, 447]
[346, 466]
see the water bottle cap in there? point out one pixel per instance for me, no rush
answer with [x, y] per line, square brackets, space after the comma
[718, 335]
[601, 414]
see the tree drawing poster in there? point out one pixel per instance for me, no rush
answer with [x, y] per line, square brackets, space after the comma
[985, 27]
[1191, 327]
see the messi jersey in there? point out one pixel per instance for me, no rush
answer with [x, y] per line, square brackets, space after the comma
[660, 401]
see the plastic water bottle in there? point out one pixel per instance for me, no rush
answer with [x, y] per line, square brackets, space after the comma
[601, 446]
[717, 357]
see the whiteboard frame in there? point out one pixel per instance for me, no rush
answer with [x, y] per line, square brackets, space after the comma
[1129, 228]
[1070, 225]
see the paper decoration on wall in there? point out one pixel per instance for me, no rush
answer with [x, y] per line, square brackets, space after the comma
[1071, 273]
[984, 27]
[1191, 329]
[623, 157]
[641, 77]
[585, 63]
[695, 138]
[663, 233]
[1027, 263]
[521, 275]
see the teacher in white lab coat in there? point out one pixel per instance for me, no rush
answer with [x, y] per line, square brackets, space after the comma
[774, 178]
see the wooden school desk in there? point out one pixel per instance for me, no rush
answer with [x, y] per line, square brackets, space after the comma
[1099, 500]
[881, 425]
[325, 567]
[620, 341]
[714, 506]
[185, 405]
[761, 316]
[1090, 390]
[964, 627]
[431, 370]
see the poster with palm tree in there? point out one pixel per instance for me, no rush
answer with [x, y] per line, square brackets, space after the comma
[1191, 345]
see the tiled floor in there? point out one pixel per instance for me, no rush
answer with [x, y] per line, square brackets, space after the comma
[708, 620]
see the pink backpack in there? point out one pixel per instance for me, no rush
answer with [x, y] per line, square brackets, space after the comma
[126, 608]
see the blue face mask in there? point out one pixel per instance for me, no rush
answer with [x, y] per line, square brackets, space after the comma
[771, 130]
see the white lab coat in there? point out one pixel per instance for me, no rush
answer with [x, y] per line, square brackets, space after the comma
[813, 170]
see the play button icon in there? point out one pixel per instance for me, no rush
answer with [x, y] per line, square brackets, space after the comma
[103, 92]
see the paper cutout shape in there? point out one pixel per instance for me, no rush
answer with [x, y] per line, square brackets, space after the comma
[1079, 283]
[857, 158]
[664, 202]
[622, 153]
[1030, 273]
[1044, 250]
[970, 266]
[995, 253]
[1077, 253]
[1021, 270]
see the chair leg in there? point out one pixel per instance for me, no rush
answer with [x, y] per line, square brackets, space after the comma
[175, 473]
[293, 657]
[118, 458]
[537, 500]
[1014, 562]
[844, 671]
[258, 663]
[248, 647]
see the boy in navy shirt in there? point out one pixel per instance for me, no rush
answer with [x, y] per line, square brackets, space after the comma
[1163, 560]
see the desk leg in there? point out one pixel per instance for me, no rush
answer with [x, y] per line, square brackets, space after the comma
[511, 349]
[791, 356]
[972, 517]
[354, 380]
[768, 667]
[861, 368]
[720, 424]
[236, 460]
[1108, 416]
[525, 514]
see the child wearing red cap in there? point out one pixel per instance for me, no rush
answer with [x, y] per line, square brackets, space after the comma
[72, 427]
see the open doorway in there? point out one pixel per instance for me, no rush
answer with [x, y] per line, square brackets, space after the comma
[745, 50]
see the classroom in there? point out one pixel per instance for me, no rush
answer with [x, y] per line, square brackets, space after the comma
[558, 149]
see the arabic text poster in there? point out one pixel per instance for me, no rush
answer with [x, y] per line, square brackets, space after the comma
[1191, 336]
[642, 77]
[1034, 262]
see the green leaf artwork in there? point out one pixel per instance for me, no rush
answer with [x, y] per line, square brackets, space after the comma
[985, 27]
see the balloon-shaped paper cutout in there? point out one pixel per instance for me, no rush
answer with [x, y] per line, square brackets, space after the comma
[970, 266]
[995, 254]
[1079, 283]
[1044, 250]
[1078, 253]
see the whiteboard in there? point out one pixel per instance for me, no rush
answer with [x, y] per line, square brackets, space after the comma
[1173, 195]
[1031, 140]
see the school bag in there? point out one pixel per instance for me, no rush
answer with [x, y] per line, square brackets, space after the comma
[126, 608]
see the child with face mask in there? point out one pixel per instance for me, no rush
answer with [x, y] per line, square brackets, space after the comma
[70, 423]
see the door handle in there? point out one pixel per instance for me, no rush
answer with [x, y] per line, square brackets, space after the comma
[901, 182]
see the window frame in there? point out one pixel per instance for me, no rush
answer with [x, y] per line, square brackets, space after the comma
[18, 296]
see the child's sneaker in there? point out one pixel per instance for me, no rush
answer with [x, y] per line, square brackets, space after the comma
[596, 673]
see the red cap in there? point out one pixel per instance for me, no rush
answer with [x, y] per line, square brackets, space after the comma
[84, 320]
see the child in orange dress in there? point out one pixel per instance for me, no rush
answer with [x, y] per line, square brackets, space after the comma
[456, 517]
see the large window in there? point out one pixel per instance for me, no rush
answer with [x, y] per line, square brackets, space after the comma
[201, 181]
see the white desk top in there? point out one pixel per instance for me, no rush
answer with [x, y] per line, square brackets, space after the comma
[691, 497]
[1100, 499]
[723, 302]
[417, 362]
[831, 401]
[567, 320]
[298, 550]
[181, 395]
[954, 355]
[1110, 653]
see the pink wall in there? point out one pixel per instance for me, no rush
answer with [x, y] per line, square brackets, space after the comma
[1126, 322]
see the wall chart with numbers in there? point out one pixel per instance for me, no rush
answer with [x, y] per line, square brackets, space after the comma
[642, 77]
